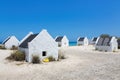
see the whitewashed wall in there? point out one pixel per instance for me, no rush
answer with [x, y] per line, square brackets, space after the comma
[114, 44]
[43, 42]
[65, 42]
[13, 41]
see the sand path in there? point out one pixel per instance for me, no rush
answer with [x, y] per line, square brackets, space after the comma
[82, 63]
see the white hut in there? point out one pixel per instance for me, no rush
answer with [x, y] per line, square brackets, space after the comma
[10, 42]
[107, 44]
[94, 40]
[82, 41]
[62, 41]
[42, 45]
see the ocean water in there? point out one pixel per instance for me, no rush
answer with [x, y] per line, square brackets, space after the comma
[73, 43]
[70, 44]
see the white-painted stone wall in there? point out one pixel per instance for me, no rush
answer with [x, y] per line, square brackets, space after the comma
[42, 42]
[65, 42]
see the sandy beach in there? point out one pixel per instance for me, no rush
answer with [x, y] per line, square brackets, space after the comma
[81, 63]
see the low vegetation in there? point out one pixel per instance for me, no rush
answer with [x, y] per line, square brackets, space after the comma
[35, 59]
[14, 48]
[104, 35]
[96, 48]
[2, 47]
[51, 58]
[17, 56]
[61, 55]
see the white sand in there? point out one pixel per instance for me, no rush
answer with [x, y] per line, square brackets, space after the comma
[82, 63]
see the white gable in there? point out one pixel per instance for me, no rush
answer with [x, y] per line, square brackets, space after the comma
[43, 42]
[13, 41]
[64, 41]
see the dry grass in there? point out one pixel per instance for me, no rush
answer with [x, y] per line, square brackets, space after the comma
[2, 47]
[51, 58]
[16, 56]
[35, 59]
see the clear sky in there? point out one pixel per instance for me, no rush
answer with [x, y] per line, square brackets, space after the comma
[60, 17]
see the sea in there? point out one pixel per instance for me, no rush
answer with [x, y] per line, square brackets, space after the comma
[72, 43]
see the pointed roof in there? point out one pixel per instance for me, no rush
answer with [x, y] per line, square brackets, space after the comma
[24, 44]
[59, 39]
[95, 38]
[81, 39]
[30, 33]
[6, 40]
[104, 41]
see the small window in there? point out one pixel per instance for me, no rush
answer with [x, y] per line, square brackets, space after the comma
[44, 53]
[65, 43]
[59, 45]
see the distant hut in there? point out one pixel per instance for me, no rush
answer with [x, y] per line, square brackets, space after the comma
[62, 41]
[94, 40]
[82, 41]
[107, 44]
[10, 42]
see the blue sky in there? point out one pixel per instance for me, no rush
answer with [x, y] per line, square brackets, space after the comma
[60, 17]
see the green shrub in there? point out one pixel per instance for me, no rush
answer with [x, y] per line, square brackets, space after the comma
[17, 56]
[35, 59]
[105, 35]
[51, 58]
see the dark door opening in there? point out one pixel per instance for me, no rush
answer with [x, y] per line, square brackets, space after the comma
[44, 53]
